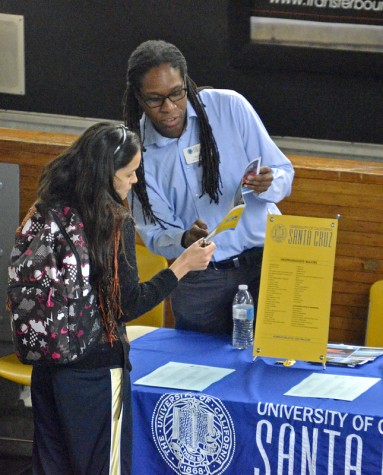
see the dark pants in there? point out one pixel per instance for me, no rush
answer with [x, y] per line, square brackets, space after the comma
[203, 300]
[78, 423]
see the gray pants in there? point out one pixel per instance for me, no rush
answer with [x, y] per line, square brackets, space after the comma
[203, 300]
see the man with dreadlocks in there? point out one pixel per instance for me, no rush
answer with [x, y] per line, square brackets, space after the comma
[197, 144]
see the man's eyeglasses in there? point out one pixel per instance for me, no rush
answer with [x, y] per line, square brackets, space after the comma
[155, 102]
[123, 138]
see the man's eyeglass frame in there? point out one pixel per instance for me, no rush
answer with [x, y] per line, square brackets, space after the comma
[161, 99]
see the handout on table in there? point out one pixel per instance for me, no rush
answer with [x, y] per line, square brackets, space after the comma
[185, 376]
[332, 386]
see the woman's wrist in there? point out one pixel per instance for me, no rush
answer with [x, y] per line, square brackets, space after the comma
[180, 267]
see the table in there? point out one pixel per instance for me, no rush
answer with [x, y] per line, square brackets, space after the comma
[243, 424]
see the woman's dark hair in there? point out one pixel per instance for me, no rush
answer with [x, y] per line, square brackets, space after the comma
[82, 177]
[152, 54]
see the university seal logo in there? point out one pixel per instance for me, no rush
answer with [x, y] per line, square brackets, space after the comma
[194, 433]
[278, 233]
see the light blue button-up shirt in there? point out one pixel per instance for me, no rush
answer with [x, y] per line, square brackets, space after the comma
[174, 180]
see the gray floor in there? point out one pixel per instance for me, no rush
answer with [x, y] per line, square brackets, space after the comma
[15, 465]
[16, 431]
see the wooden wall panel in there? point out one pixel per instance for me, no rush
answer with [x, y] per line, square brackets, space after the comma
[323, 187]
[31, 150]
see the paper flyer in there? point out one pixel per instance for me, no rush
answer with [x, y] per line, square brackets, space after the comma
[190, 377]
[252, 168]
[230, 221]
[238, 204]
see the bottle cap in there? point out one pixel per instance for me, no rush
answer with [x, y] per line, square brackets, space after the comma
[242, 287]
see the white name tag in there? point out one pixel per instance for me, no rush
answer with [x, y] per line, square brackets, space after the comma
[191, 154]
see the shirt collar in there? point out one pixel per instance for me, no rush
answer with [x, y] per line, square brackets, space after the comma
[150, 134]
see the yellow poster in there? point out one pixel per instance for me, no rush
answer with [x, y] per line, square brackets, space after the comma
[295, 291]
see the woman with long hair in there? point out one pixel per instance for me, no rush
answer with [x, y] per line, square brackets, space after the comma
[82, 411]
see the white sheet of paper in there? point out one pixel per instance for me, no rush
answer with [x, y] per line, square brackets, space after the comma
[184, 376]
[332, 386]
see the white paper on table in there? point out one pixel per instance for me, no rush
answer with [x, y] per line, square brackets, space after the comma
[332, 386]
[184, 376]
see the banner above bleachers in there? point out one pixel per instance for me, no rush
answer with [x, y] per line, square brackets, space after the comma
[367, 12]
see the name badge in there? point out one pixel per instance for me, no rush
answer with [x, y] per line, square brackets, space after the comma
[191, 154]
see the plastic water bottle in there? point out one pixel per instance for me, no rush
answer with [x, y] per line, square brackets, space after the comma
[243, 318]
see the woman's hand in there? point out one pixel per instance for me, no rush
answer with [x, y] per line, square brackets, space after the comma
[195, 258]
[199, 254]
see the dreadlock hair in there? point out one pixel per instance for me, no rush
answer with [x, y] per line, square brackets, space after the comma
[146, 56]
[82, 177]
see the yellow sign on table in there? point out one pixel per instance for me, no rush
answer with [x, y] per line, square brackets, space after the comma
[296, 286]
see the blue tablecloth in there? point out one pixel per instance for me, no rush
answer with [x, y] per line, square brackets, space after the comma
[243, 424]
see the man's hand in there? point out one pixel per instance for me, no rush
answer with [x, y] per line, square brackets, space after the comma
[259, 182]
[198, 230]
